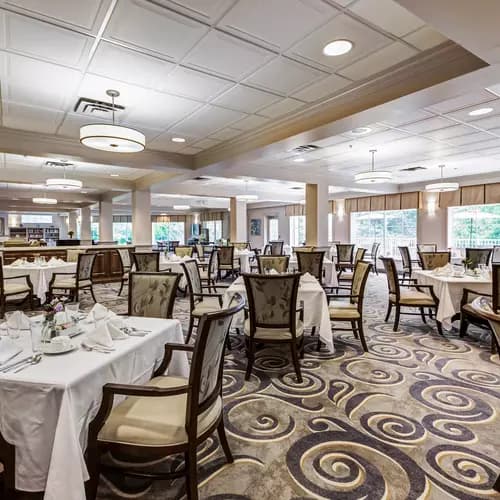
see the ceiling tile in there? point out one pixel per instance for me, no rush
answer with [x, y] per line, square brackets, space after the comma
[428, 125]
[206, 143]
[75, 12]
[227, 56]
[453, 131]
[38, 83]
[463, 114]
[191, 83]
[469, 139]
[325, 87]
[389, 15]
[31, 118]
[384, 137]
[46, 41]
[167, 33]
[425, 38]
[462, 101]
[189, 150]
[278, 31]
[284, 75]
[246, 99]
[250, 122]
[207, 12]
[402, 117]
[364, 38]
[113, 61]
[490, 123]
[281, 108]
[163, 142]
[225, 134]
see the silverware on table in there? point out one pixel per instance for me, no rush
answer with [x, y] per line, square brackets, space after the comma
[101, 349]
[7, 368]
[11, 357]
[33, 361]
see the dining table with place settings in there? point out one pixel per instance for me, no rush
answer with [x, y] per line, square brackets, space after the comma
[314, 300]
[47, 404]
[40, 273]
[174, 264]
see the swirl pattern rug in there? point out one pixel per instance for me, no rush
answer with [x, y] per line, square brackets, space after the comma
[415, 418]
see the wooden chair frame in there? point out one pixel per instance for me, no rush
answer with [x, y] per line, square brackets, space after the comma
[138, 264]
[3, 296]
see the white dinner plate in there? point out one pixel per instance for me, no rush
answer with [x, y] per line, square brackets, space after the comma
[58, 348]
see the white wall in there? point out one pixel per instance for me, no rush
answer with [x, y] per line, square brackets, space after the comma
[432, 227]
[262, 214]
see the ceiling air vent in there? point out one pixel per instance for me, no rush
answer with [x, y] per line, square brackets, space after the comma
[88, 106]
[307, 148]
[52, 163]
[297, 188]
[412, 169]
[201, 179]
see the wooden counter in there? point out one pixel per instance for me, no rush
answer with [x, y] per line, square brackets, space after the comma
[107, 267]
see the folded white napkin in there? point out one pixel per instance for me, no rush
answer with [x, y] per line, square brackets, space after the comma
[8, 349]
[187, 257]
[273, 271]
[174, 258]
[19, 321]
[443, 271]
[98, 313]
[100, 336]
[115, 326]
[17, 262]
[54, 261]
[483, 303]
[308, 278]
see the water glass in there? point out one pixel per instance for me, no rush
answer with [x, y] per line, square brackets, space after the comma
[36, 327]
[13, 333]
[73, 309]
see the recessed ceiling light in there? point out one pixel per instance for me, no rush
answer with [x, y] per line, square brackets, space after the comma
[337, 47]
[361, 130]
[480, 111]
[178, 139]
[299, 160]
[181, 207]
[114, 175]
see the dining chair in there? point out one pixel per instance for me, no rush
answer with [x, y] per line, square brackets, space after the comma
[426, 247]
[267, 249]
[351, 310]
[209, 270]
[241, 245]
[469, 315]
[278, 263]
[303, 248]
[345, 253]
[408, 298]
[478, 256]
[407, 263]
[200, 302]
[227, 261]
[495, 256]
[277, 247]
[184, 251]
[19, 292]
[272, 316]
[169, 415]
[7, 470]
[433, 260]
[146, 262]
[126, 266]
[172, 245]
[152, 294]
[373, 256]
[312, 263]
[346, 272]
[71, 284]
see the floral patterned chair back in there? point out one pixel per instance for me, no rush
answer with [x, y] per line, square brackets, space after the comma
[205, 378]
[375, 249]
[433, 260]
[360, 255]
[495, 276]
[303, 249]
[85, 266]
[427, 247]
[72, 255]
[344, 253]
[200, 251]
[478, 256]
[147, 262]
[152, 294]
[276, 247]
[406, 259]
[277, 262]
[184, 251]
[213, 262]
[359, 279]
[272, 300]
[193, 278]
[392, 276]
[241, 245]
[226, 255]
[125, 258]
[312, 263]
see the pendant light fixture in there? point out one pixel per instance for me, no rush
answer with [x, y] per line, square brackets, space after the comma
[373, 176]
[44, 200]
[442, 187]
[65, 184]
[246, 196]
[112, 137]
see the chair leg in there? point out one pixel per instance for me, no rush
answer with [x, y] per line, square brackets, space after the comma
[354, 329]
[251, 358]
[92, 460]
[223, 441]
[296, 363]
[422, 314]
[92, 293]
[313, 331]
[464, 324]
[191, 473]
[389, 310]
[439, 327]
[375, 266]
[190, 329]
[396, 319]
[362, 335]
[121, 288]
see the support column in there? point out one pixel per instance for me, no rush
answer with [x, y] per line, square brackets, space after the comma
[317, 214]
[105, 221]
[141, 220]
[72, 218]
[238, 220]
[86, 219]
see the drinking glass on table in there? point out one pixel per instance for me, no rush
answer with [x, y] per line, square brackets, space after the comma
[13, 332]
[73, 309]
[36, 326]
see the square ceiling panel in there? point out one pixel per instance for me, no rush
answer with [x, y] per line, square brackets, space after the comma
[468, 139]
[225, 134]
[205, 11]
[227, 56]
[115, 62]
[275, 28]
[323, 88]
[446, 133]
[284, 75]
[246, 99]
[463, 114]
[31, 118]
[281, 108]
[428, 125]
[167, 33]
[364, 38]
[462, 101]
[425, 38]
[251, 122]
[489, 123]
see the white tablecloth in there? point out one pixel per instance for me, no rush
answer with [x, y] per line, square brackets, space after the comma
[45, 410]
[315, 307]
[328, 267]
[244, 257]
[449, 292]
[40, 275]
[175, 267]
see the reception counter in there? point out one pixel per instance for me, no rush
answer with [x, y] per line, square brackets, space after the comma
[107, 267]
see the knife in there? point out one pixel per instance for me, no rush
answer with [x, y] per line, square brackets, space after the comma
[11, 357]
[5, 369]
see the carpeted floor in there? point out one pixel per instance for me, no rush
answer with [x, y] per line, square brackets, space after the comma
[416, 417]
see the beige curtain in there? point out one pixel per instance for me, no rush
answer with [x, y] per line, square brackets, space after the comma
[377, 203]
[449, 199]
[492, 193]
[332, 207]
[409, 200]
[351, 205]
[168, 218]
[293, 210]
[206, 216]
[122, 218]
[393, 201]
[364, 204]
[473, 195]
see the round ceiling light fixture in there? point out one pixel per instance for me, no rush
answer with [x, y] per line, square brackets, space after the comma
[299, 160]
[181, 207]
[337, 48]
[442, 187]
[178, 139]
[480, 111]
[44, 201]
[361, 130]
[111, 137]
[373, 176]
[66, 184]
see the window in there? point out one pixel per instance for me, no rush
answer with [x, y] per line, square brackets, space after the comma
[474, 226]
[297, 230]
[390, 228]
[330, 228]
[36, 219]
[94, 230]
[168, 231]
[122, 232]
[273, 232]
[214, 229]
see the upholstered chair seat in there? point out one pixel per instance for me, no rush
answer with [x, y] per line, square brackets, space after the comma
[14, 288]
[207, 305]
[228, 267]
[69, 283]
[343, 310]
[413, 298]
[275, 333]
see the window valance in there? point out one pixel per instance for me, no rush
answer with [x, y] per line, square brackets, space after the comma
[168, 218]
[208, 216]
[293, 210]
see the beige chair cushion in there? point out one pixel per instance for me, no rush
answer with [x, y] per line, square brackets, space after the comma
[274, 333]
[155, 421]
[69, 283]
[346, 276]
[12, 288]
[413, 298]
[224, 267]
[207, 305]
[470, 310]
[343, 310]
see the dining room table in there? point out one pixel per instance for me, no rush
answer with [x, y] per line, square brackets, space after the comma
[329, 271]
[45, 409]
[173, 264]
[245, 257]
[40, 273]
[449, 290]
[314, 300]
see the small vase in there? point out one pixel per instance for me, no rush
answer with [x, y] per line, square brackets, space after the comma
[48, 331]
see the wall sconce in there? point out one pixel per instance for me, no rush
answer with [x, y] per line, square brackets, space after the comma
[431, 206]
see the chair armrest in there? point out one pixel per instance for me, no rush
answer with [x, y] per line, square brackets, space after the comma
[429, 287]
[167, 358]
[332, 296]
[216, 286]
[467, 291]
[27, 276]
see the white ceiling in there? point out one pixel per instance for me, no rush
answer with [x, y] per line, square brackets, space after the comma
[206, 70]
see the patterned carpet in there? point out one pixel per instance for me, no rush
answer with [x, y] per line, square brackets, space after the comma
[417, 417]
